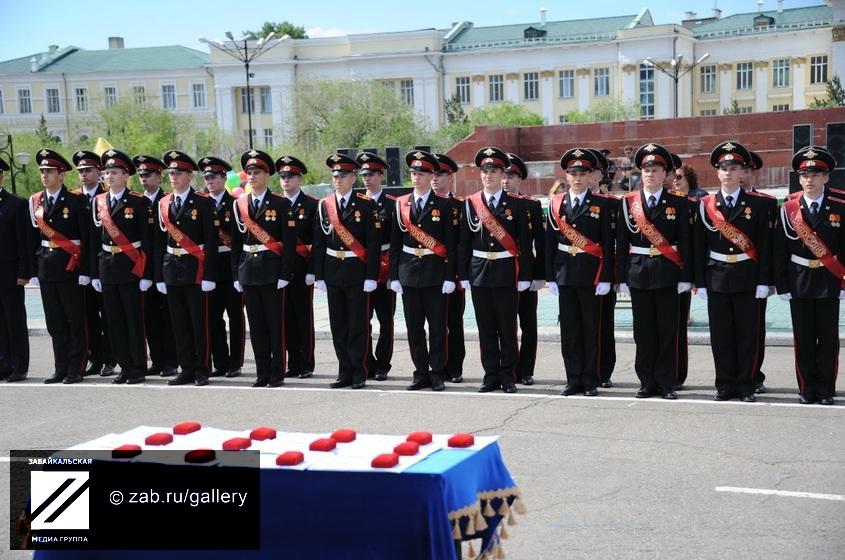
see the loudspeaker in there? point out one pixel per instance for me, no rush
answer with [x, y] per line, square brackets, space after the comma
[802, 136]
[423, 148]
[836, 142]
[393, 157]
[351, 152]
[370, 151]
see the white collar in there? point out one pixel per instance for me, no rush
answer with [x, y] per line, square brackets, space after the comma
[375, 196]
[90, 192]
[808, 201]
[344, 197]
[152, 196]
[423, 197]
[497, 196]
[580, 197]
[259, 198]
[293, 198]
[734, 194]
[118, 195]
[656, 195]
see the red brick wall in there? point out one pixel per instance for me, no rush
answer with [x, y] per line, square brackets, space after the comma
[769, 134]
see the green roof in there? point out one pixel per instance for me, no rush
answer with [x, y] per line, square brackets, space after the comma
[743, 24]
[554, 32]
[75, 60]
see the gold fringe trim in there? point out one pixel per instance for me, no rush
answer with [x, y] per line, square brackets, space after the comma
[488, 510]
[470, 550]
[475, 514]
[512, 519]
[456, 530]
[503, 532]
[480, 522]
[500, 552]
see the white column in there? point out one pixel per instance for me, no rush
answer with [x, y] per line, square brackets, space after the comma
[225, 109]
[761, 89]
[478, 92]
[725, 86]
[629, 83]
[798, 84]
[547, 92]
[513, 88]
[664, 96]
[426, 101]
[583, 89]
[277, 99]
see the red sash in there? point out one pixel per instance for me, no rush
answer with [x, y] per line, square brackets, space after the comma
[138, 258]
[731, 233]
[419, 234]
[574, 236]
[62, 242]
[344, 234]
[256, 230]
[812, 241]
[492, 224]
[303, 250]
[225, 238]
[179, 236]
[650, 232]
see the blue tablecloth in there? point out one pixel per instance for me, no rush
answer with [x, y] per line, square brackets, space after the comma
[419, 514]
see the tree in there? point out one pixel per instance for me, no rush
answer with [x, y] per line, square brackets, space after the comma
[835, 95]
[44, 135]
[455, 110]
[504, 114]
[280, 29]
[733, 109]
[606, 110]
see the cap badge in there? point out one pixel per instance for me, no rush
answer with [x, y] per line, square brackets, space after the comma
[810, 154]
[204, 161]
[286, 168]
[489, 152]
[650, 148]
[335, 157]
[418, 155]
[577, 153]
[174, 154]
[253, 153]
[80, 154]
[365, 157]
[286, 159]
[728, 147]
[142, 158]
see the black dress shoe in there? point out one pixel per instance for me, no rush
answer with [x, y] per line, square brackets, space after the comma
[15, 376]
[340, 383]
[305, 375]
[56, 378]
[670, 395]
[201, 382]
[234, 373]
[487, 388]
[644, 394]
[182, 379]
[135, 380]
[527, 380]
[94, 369]
[591, 392]
[679, 387]
[380, 376]
[418, 384]
[570, 390]
[5, 374]
[260, 382]
[437, 382]
[457, 379]
[749, 398]
[827, 401]
[120, 379]
[722, 396]
[760, 388]
[274, 384]
[169, 371]
[154, 369]
[217, 373]
[606, 384]
[359, 385]
[108, 369]
[806, 399]
[509, 388]
[71, 379]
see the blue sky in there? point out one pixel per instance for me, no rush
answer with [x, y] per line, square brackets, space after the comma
[29, 28]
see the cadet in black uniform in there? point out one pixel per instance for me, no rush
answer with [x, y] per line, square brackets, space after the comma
[423, 252]
[15, 244]
[495, 261]
[186, 261]
[441, 184]
[653, 257]
[810, 274]
[122, 268]
[383, 299]
[262, 251]
[61, 265]
[226, 358]
[157, 324]
[579, 261]
[299, 307]
[733, 270]
[346, 265]
[88, 166]
[527, 311]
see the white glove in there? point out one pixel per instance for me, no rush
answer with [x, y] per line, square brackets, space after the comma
[34, 281]
[602, 288]
[281, 284]
[145, 284]
[684, 287]
[448, 287]
[522, 285]
[841, 294]
[84, 280]
[320, 285]
[370, 285]
[623, 289]
[787, 296]
[97, 285]
[161, 287]
[396, 286]
[702, 293]
[237, 285]
[537, 285]
[762, 292]
[207, 286]
[553, 289]
[464, 284]
[309, 279]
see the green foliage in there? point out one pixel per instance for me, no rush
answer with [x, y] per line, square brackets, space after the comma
[47, 138]
[733, 109]
[606, 110]
[280, 29]
[504, 114]
[455, 111]
[835, 95]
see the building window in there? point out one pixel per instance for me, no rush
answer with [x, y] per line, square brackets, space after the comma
[250, 100]
[497, 87]
[462, 89]
[707, 113]
[198, 95]
[266, 99]
[780, 72]
[601, 82]
[246, 134]
[24, 101]
[646, 91]
[707, 74]
[562, 119]
[109, 95]
[744, 75]
[81, 100]
[818, 69]
[268, 137]
[780, 107]
[53, 105]
[139, 94]
[531, 86]
[744, 110]
[566, 83]
[168, 96]
[406, 91]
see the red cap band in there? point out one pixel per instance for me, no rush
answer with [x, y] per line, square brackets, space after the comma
[290, 169]
[181, 165]
[653, 158]
[813, 163]
[51, 164]
[83, 163]
[578, 163]
[421, 165]
[214, 169]
[344, 167]
[496, 162]
[731, 158]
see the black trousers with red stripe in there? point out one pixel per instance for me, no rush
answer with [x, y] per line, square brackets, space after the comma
[349, 312]
[99, 347]
[421, 306]
[14, 335]
[224, 298]
[684, 303]
[125, 323]
[457, 347]
[607, 361]
[527, 314]
[656, 336]
[495, 314]
[64, 313]
[189, 316]
[815, 326]
[734, 339]
[265, 309]
[580, 335]
[759, 376]
[383, 306]
[159, 330]
[299, 326]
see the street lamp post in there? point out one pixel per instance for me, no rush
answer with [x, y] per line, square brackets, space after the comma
[246, 55]
[674, 71]
[7, 148]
